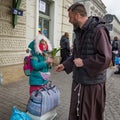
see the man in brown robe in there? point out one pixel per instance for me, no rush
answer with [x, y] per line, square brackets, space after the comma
[92, 53]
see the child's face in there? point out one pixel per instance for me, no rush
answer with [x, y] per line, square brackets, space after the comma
[43, 42]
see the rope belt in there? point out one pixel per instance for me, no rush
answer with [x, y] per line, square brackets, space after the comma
[78, 101]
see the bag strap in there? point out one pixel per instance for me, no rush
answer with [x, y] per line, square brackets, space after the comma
[46, 88]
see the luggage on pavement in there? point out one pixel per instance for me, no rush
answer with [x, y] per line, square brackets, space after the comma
[43, 100]
[117, 60]
[19, 115]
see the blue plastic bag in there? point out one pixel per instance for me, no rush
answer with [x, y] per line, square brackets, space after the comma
[117, 60]
[19, 115]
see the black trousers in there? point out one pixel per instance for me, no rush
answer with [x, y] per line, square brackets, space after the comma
[64, 53]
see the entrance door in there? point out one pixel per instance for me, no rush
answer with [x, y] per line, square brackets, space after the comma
[44, 26]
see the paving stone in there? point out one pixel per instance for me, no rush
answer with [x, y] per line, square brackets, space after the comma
[17, 94]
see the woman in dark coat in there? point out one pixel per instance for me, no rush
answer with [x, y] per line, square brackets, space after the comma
[65, 47]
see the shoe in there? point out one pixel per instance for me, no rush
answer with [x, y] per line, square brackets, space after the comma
[117, 72]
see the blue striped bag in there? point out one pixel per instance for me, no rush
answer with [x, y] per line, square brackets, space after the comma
[43, 100]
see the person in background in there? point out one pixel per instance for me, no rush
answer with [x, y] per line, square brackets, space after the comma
[114, 49]
[65, 47]
[92, 54]
[116, 52]
[41, 62]
[118, 71]
[39, 32]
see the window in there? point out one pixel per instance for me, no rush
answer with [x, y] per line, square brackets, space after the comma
[44, 17]
[44, 7]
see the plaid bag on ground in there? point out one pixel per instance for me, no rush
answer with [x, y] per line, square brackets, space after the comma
[44, 100]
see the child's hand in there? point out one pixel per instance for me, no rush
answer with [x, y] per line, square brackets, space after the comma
[49, 60]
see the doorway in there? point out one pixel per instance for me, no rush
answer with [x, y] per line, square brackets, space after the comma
[44, 26]
[44, 17]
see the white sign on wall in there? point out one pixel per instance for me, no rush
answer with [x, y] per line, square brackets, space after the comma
[42, 6]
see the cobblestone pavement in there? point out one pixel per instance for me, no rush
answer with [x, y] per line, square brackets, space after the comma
[113, 98]
[18, 93]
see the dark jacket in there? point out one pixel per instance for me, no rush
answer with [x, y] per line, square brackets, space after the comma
[92, 45]
[64, 43]
[65, 48]
[115, 45]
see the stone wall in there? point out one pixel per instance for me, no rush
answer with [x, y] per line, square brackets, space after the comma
[66, 26]
[116, 28]
[12, 42]
[31, 18]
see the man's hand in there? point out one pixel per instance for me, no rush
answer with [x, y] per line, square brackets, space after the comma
[59, 68]
[78, 62]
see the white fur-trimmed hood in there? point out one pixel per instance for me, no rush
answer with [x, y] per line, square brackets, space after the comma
[37, 41]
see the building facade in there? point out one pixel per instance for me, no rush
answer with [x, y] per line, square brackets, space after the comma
[97, 8]
[46, 16]
[12, 42]
[94, 7]
[115, 28]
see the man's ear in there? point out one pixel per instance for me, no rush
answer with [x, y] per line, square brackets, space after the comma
[77, 15]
